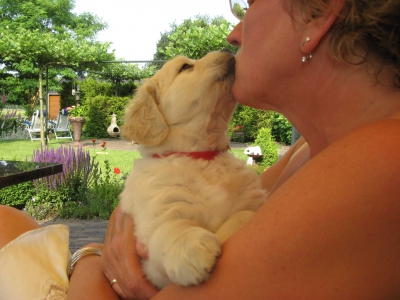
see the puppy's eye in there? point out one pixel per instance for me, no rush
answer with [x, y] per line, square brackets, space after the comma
[185, 67]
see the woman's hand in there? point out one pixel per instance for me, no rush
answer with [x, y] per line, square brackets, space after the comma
[121, 261]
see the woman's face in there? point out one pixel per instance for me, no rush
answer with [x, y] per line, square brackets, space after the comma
[269, 51]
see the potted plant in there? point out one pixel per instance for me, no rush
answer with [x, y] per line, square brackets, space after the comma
[76, 118]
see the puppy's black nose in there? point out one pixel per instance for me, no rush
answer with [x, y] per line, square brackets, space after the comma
[226, 50]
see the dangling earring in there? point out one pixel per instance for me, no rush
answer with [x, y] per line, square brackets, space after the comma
[304, 59]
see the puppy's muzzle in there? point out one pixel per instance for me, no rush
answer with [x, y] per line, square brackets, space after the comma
[227, 65]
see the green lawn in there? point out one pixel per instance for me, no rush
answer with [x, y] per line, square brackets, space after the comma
[23, 149]
[239, 153]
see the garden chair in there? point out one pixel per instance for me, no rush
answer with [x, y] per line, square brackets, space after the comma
[238, 134]
[61, 126]
[33, 126]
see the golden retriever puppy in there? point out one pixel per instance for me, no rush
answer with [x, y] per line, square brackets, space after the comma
[187, 193]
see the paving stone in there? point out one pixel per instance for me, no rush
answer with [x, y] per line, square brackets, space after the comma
[82, 232]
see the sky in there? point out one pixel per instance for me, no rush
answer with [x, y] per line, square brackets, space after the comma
[135, 26]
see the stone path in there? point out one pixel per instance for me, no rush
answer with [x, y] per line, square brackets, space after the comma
[82, 232]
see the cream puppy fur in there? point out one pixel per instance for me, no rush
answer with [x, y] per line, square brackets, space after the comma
[187, 193]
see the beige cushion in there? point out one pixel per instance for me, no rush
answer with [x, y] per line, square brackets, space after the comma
[33, 266]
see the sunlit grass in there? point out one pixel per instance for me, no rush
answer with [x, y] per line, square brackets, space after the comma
[122, 159]
[23, 150]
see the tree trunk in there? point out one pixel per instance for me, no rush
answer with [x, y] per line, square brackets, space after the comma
[41, 106]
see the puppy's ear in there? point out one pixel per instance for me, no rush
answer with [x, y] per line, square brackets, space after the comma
[144, 123]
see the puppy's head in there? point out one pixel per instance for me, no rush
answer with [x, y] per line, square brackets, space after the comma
[184, 106]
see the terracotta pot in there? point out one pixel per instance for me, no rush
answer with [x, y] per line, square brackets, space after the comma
[77, 124]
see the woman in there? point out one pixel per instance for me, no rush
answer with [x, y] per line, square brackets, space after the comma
[330, 228]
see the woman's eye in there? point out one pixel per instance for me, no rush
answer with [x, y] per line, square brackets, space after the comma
[185, 67]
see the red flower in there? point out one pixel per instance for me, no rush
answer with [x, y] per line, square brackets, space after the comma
[117, 170]
[93, 141]
[237, 128]
[103, 144]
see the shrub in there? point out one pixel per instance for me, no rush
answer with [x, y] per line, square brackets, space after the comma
[45, 203]
[17, 195]
[91, 87]
[267, 145]
[100, 109]
[103, 196]
[251, 119]
[97, 123]
[281, 129]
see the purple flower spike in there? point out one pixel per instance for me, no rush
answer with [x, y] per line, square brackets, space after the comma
[75, 165]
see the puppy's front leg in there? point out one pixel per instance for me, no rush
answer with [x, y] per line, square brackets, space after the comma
[183, 252]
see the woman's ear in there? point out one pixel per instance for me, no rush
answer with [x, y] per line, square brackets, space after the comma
[144, 123]
[317, 26]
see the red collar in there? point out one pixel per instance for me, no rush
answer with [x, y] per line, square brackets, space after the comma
[207, 155]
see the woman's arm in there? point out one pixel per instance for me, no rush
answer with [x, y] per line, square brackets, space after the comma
[88, 280]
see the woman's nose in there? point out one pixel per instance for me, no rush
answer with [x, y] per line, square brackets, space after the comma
[235, 36]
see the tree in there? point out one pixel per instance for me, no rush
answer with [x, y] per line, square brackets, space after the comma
[46, 16]
[194, 38]
[118, 72]
[37, 34]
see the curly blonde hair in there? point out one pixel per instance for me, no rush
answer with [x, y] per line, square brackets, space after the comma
[370, 25]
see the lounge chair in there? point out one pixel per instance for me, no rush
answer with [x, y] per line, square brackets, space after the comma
[61, 125]
[33, 126]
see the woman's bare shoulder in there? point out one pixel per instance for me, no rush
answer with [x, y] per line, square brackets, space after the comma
[367, 157]
[378, 134]
[374, 147]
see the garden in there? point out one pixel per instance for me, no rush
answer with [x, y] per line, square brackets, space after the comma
[89, 186]
[94, 175]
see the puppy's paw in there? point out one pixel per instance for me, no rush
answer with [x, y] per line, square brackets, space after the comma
[189, 260]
